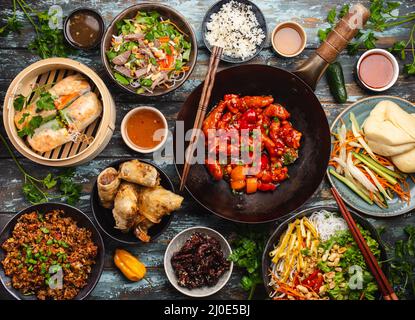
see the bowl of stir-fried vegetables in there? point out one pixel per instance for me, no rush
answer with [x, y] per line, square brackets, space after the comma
[149, 49]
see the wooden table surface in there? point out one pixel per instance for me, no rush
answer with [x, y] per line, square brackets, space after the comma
[14, 57]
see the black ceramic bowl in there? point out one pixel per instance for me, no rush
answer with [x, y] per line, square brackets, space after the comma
[259, 16]
[167, 13]
[276, 235]
[105, 219]
[82, 221]
[93, 13]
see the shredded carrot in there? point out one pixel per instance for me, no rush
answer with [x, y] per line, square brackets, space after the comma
[166, 69]
[401, 189]
[164, 39]
[286, 289]
[384, 161]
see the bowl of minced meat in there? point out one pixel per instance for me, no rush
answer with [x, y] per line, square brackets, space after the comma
[50, 251]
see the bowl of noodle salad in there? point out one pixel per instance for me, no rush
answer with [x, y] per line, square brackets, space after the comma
[149, 49]
[313, 256]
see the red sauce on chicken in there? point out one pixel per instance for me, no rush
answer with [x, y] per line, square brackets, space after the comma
[279, 142]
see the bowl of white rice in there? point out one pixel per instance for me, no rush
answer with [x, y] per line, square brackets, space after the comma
[238, 26]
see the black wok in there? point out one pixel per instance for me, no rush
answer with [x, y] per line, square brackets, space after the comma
[292, 90]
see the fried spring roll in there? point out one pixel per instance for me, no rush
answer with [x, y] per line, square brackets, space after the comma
[125, 206]
[140, 173]
[108, 184]
[155, 203]
[142, 225]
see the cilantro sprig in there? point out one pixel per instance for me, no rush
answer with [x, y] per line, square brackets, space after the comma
[48, 42]
[12, 24]
[402, 264]
[44, 102]
[247, 254]
[382, 17]
[29, 129]
[40, 190]
[399, 49]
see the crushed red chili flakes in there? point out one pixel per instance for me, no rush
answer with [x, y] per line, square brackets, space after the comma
[41, 246]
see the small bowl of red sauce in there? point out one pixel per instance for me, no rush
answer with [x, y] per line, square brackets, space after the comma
[144, 129]
[377, 70]
[84, 28]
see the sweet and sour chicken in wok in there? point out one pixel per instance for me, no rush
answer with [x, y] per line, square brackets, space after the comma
[269, 131]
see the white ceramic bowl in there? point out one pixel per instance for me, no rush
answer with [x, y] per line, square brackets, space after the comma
[177, 243]
[390, 57]
[126, 138]
[295, 26]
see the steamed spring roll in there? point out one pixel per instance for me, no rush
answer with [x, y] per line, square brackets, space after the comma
[77, 116]
[63, 93]
[49, 136]
[139, 173]
[68, 90]
[125, 206]
[85, 110]
[108, 183]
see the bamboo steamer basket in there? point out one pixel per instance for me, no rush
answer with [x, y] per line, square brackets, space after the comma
[72, 153]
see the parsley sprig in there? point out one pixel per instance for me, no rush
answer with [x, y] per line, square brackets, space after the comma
[40, 190]
[382, 17]
[48, 42]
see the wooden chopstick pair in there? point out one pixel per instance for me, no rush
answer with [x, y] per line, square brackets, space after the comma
[382, 281]
[201, 110]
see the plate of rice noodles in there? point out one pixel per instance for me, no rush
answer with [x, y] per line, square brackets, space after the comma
[313, 256]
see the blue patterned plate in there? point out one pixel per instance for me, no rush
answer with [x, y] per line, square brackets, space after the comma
[361, 110]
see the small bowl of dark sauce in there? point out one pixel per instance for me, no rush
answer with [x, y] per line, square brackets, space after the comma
[84, 28]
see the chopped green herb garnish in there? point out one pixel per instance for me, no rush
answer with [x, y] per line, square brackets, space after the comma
[44, 230]
[19, 102]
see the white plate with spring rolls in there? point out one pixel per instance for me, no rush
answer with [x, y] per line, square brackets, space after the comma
[133, 201]
[58, 112]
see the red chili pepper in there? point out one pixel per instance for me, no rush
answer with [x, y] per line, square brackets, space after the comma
[312, 276]
[244, 124]
[314, 280]
[250, 116]
[318, 283]
[264, 161]
[266, 186]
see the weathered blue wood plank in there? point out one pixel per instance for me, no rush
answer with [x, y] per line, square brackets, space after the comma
[310, 13]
